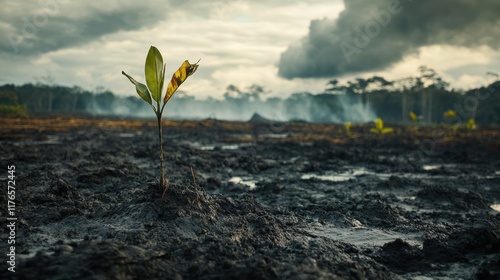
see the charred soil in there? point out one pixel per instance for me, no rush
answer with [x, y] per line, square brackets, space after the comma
[270, 201]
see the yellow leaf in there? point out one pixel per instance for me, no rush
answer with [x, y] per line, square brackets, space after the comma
[374, 130]
[387, 130]
[186, 70]
[413, 116]
[471, 124]
[450, 114]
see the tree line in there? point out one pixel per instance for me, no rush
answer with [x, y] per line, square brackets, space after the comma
[359, 100]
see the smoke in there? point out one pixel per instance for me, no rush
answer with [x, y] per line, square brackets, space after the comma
[372, 35]
[122, 107]
[237, 105]
[327, 108]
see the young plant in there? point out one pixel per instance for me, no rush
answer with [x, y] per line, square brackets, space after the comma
[413, 117]
[380, 129]
[152, 93]
[471, 124]
[347, 127]
[450, 114]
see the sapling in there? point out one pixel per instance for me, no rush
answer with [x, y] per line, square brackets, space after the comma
[152, 93]
[413, 117]
[380, 129]
[471, 124]
[347, 127]
[450, 114]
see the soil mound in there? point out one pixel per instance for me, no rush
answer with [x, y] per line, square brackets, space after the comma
[256, 117]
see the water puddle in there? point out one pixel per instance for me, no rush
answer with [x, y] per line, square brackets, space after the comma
[129, 134]
[50, 140]
[356, 172]
[205, 147]
[429, 167]
[363, 236]
[344, 176]
[333, 178]
[211, 147]
[251, 184]
[230, 147]
[275, 135]
[403, 198]
[495, 207]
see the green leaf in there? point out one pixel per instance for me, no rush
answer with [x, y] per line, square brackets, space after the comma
[374, 130]
[162, 79]
[348, 126]
[154, 70]
[141, 89]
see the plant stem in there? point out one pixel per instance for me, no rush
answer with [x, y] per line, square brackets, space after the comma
[162, 164]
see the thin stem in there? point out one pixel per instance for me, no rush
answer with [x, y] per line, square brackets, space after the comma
[162, 164]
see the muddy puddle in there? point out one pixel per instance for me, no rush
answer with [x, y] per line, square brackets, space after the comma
[269, 206]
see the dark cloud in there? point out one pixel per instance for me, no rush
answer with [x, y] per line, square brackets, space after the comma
[371, 35]
[46, 30]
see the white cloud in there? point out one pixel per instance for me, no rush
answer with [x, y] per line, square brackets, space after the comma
[452, 63]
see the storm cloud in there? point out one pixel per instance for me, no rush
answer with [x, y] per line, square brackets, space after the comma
[51, 25]
[371, 35]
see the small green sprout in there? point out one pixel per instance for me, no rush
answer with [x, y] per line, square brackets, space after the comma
[413, 117]
[450, 114]
[155, 77]
[347, 127]
[380, 129]
[471, 124]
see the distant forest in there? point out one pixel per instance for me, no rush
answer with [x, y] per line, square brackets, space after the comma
[359, 100]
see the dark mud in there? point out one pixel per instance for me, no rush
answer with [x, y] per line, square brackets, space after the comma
[270, 201]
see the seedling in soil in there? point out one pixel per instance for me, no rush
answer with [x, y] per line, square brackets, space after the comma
[450, 114]
[152, 93]
[414, 117]
[380, 129]
[471, 124]
[347, 127]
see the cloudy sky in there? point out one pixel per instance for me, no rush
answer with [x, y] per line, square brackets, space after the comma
[286, 46]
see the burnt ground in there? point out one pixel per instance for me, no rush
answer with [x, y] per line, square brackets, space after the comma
[270, 201]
